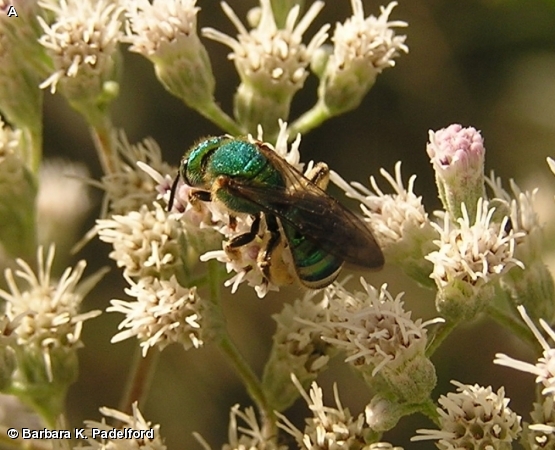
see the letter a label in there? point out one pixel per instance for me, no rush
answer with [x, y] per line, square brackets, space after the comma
[12, 12]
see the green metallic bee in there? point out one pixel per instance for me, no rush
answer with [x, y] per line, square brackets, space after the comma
[251, 178]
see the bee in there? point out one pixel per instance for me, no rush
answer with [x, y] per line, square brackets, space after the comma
[250, 177]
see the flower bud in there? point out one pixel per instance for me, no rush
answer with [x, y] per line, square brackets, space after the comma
[457, 155]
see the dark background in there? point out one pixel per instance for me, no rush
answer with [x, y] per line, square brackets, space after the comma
[483, 63]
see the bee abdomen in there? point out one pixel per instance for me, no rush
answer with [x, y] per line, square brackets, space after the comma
[315, 267]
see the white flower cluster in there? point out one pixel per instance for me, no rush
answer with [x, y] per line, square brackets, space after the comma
[44, 317]
[330, 428]
[271, 58]
[163, 313]
[82, 43]
[474, 417]
[472, 250]
[142, 435]
[371, 327]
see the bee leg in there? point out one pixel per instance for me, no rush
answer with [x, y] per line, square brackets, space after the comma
[247, 237]
[172, 192]
[275, 239]
[319, 175]
[232, 222]
[203, 196]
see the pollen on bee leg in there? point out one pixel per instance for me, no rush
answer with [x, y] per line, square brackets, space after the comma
[273, 265]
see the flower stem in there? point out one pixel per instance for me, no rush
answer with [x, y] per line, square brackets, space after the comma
[512, 323]
[33, 140]
[103, 142]
[139, 380]
[441, 334]
[214, 113]
[245, 372]
[313, 118]
[429, 409]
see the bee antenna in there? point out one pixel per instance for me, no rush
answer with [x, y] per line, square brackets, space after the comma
[172, 192]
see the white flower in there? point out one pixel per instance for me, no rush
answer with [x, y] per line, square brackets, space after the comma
[297, 348]
[241, 437]
[82, 43]
[127, 186]
[394, 218]
[269, 58]
[520, 207]
[474, 417]
[330, 428]
[48, 310]
[540, 434]
[152, 27]
[379, 339]
[134, 424]
[145, 242]
[369, 39]
[544, 369]
[363, 48]
[165, 31]
[272, 63]
[163, 313]
[533, 287]
[473, 251]
[371, 326]
[245, 259]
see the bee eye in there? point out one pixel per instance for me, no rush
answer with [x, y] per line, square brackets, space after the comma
[183, 172]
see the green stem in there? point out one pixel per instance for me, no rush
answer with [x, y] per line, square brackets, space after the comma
[512, 323]
[237, 361]
[214, 113]
[441, 334]
[33, 141]
[429, 409]
[313, 118]
[140, 379]
[103, 142]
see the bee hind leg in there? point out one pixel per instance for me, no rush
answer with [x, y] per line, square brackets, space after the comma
[275, 239]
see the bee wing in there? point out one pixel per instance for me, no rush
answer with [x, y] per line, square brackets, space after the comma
[316, 215]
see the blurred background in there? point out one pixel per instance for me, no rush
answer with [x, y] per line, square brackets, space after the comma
[489, 64]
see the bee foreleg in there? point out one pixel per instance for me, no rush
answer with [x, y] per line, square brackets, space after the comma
[247, 237]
